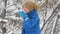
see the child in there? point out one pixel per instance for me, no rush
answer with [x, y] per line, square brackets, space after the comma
[30, 17]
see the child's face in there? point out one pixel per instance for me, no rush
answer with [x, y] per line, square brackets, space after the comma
[26, 9]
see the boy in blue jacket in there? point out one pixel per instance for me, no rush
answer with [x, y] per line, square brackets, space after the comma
[30, 17]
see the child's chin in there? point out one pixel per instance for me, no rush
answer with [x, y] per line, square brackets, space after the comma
[27, 12]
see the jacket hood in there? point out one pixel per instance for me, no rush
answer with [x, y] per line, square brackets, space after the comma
[30, 13]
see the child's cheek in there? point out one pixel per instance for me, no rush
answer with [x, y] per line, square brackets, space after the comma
[26, 10]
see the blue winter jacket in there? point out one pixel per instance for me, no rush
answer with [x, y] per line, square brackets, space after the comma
[31, 26]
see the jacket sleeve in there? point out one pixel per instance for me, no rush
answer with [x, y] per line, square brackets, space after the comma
[31, 22]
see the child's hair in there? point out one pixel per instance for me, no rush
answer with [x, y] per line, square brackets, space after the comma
[30, 5]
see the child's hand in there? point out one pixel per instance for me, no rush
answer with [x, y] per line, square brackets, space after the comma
[22, 14]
